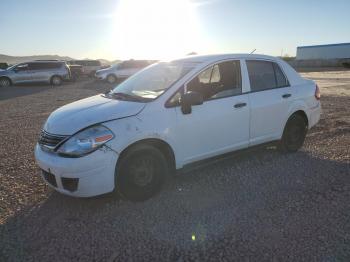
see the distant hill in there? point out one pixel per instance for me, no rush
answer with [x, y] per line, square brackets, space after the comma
[20, 59]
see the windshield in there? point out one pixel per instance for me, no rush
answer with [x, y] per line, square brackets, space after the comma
[150, 83]
[115, 66]
[11, 67]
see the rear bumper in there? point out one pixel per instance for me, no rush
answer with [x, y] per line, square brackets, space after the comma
[86, 176]
[66, 77]
[315, 114]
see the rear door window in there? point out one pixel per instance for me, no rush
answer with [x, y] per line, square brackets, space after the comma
[264, 75]
[34, 66]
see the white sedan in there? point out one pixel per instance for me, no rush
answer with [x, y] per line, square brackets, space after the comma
[170, 115]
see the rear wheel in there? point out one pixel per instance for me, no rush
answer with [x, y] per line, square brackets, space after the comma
[56, 80]
[294, 134]
[111, 79]
[4, 82]
[141, 173]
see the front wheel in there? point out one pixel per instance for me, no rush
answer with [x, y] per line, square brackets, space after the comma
[141, 173]
[5, 82]
[294, 134]
[111, 79]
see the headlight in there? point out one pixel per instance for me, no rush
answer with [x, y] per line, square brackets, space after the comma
[85, 141]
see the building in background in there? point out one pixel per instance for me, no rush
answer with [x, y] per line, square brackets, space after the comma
[333, 51]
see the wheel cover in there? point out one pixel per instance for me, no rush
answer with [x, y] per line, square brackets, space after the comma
[56, 80]
[4, 82]
[142, 171]
[111, 79]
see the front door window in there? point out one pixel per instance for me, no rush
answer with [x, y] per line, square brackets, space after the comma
[218, 81]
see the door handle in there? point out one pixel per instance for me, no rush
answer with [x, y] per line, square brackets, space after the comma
[239, 105]
[286, 95]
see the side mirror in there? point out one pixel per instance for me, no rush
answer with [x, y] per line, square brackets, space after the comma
[190, 99]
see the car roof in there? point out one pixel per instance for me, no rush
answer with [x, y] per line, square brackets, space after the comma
[217, 57]
[46, 61]
[204, 60]
[84, 60]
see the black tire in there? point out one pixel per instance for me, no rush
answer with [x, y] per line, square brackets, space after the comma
[5, 82]
[56, 80]
[294, 134]
[141, 173]
[112, 79]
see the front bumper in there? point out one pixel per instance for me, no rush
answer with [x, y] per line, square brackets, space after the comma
[86, 176]
[100, 77]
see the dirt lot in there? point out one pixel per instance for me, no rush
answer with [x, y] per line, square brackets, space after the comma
[259, 205]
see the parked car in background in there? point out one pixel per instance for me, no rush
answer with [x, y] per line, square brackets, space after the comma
[47, 71]
[89, 66]
[76, 71]
[173, 114]
[122, 70]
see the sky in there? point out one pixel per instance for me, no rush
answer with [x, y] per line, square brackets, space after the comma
[162, 29]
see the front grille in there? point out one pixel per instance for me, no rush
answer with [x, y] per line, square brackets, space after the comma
[50, 178]
[70, 184]
[50, 140]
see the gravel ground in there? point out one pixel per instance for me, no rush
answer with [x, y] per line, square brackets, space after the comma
[259, 205]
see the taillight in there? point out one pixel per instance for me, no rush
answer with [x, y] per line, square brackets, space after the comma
[317, 93]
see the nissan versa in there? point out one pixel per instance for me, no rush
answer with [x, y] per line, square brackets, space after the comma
[172, 114]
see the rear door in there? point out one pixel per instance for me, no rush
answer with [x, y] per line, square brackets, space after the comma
[270, 96]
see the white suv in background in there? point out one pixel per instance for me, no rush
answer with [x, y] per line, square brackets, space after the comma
[122, 70]
[171, 115]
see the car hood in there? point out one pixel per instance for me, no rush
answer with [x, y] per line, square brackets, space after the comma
[75, 116]
[104, 70]
[4, 71]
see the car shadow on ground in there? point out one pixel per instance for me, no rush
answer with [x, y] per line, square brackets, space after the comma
[258, 204]
[22, 90]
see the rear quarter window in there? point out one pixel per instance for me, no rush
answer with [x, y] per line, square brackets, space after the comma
[280, 77]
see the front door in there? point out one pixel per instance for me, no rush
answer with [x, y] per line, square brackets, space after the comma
[221, 123]
[22, 74]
